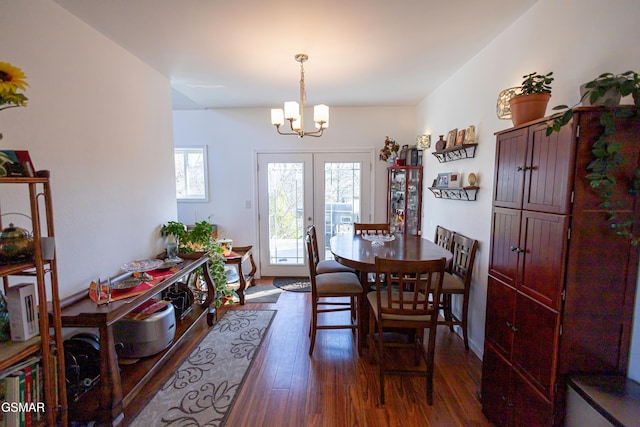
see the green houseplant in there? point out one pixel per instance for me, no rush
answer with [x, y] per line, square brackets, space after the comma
[198, 239]
[531, 103]
[607, 90]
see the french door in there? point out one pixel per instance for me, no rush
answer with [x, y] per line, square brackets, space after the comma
[295, 190]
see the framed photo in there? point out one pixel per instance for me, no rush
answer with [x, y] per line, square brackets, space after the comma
[460, 138]
[454, 179]
[451, 138]
[443, 180]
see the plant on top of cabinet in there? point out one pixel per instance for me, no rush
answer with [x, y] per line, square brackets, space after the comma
[389, 151]
[531, 103]
[607, 89]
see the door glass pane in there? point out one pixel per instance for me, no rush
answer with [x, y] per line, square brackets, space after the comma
[286, 213]
[342, 199]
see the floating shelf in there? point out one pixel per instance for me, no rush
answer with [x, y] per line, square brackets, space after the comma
[465, 193]
[458, 152]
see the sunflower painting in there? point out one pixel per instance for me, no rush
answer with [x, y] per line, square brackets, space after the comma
[12, 79]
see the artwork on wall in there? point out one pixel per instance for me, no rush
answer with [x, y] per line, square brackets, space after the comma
[451, 137]
[443, 180]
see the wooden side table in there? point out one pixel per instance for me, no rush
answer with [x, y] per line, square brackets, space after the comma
[238, 256]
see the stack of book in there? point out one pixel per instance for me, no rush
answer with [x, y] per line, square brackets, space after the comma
[16, 163]
[21, 394]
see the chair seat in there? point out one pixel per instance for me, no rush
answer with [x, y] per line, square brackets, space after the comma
[452, 284]
[332, 266]
[372, 297]
[332, 284]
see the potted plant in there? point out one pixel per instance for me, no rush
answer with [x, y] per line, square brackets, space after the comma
[390, 150]
[197, 239]
[531, 103]
[607, 89]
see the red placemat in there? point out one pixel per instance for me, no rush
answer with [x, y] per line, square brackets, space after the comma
[118, 294]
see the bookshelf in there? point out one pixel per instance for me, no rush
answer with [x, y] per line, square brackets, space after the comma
[43, 353]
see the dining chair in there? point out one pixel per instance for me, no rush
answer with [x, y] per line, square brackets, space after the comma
[457, 281]
[404, 304]
[325, 265]
[325, 288]
[378, 228]
[443, 237]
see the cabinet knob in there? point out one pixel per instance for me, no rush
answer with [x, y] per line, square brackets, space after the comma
[516, 249]
[523, 168]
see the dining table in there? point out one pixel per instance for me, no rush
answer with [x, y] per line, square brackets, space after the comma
[360, 253]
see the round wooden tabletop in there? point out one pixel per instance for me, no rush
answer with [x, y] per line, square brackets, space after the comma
[360, 254]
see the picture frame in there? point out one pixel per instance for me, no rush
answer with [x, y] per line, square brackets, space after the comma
[454, 180]
[460, 138]
[451, 138]
[442, 181]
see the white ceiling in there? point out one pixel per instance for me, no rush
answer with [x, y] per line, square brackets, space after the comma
[240, 53]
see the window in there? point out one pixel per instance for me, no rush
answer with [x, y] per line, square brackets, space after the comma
[191, 174]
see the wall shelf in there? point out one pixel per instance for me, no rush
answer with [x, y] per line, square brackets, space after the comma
[467, 194]
[458, 152]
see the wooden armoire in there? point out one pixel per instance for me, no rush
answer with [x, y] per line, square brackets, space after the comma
[561, 284]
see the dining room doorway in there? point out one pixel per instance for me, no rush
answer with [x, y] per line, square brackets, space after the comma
[295, 190]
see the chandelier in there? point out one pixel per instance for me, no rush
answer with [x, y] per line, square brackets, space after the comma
[294, 112]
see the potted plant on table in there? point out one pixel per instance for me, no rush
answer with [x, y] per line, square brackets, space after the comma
[607, 90]
[198, 240]
[531, 103]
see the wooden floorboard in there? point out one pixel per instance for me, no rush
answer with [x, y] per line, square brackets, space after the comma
[336, 388]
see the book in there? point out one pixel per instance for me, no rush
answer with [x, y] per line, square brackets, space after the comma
[16, 163]
[19, 366]
[12, 392]
[28, 396]
[22, 397]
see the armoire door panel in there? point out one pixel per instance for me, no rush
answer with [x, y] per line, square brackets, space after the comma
[505, 238]
[528, 406]
[496, 372]
[535, 342]
[501, 300]
[627, 138]
[511, 155]
[543, 237]
[548, 184]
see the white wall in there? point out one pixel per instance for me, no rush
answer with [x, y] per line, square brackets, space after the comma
[234, 136]
[577, 40]
[100, 120]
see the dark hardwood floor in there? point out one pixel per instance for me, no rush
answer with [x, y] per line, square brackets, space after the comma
[335, 387]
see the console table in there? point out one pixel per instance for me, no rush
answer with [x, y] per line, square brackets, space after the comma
[119, 385]
[238, 256]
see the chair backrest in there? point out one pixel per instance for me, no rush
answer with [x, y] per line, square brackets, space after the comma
[464, 255]
[443, 237]
[379, 228]
[311, 232]
[312, 266]
[411, 286]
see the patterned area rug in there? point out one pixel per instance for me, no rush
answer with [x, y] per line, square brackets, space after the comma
[203, 389]
[293, 284]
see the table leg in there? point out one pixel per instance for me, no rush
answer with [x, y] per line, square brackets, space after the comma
[363, 309]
